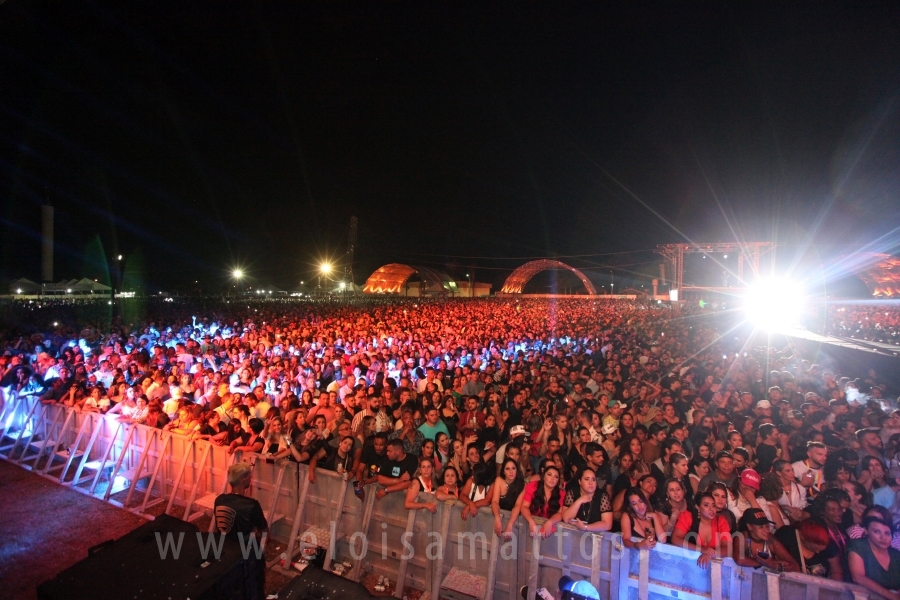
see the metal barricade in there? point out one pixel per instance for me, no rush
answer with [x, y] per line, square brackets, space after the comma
[435, 552]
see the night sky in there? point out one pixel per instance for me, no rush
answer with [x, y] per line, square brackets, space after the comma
[204, 136]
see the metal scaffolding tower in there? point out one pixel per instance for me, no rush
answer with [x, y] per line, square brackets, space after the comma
[674, 255]
[351, 248]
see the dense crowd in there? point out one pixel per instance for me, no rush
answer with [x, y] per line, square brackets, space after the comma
[608, 416]
[877, 322]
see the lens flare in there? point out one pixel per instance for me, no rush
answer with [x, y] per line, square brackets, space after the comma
[774, 304]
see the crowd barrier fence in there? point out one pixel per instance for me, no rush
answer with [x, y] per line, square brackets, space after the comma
[435, 552]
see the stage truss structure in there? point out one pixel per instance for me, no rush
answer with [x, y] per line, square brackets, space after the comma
[746, 251]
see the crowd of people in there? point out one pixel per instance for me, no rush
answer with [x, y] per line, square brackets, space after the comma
[878, 322]
[605, 415]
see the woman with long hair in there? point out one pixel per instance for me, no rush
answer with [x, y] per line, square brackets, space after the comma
[587, 508]
[477, 490]
[428, 452]
[442, 448]
[678, 468]
[620, 469]
[638, 472]
[626, 425]
[702, 530]
[277, 441]
[720, 494]
[212, 428]
[542, 499]
[860, 500]
[457, 457]
[366, 430]
[698, 469]
[507, 489]
[449, 489]
[827, 511]
[423, 482]
[703, 451]
[676, 502]
[793, 498]
[641, 527]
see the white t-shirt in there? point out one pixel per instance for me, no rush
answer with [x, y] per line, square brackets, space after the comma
[801, 468]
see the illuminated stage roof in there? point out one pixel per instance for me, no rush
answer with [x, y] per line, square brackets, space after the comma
[515, 283]
[391, 278]
[882, 275]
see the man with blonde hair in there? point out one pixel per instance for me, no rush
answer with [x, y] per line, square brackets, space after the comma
[239, 516]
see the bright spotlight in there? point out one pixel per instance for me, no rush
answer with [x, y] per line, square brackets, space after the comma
[326, 268]
[343, 285]
[237, 273]
[774, 304]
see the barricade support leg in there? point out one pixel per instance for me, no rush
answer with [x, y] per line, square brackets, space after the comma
[492, 567]
[533, 567]
[97, 425]
[643, 573]
[73, 450]
[47, 435]
[298, 514]
[364, 528]
[160, 459]
[198, 477]
[61, 439]
[336, 518]
[126, 444]
[404, 560]
[28, 419]
[715, 576]
[139, 469]
[176, 485]
[773, 586]
[106, 452]
[8, 413]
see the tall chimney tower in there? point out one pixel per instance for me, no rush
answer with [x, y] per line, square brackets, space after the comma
[47, 242]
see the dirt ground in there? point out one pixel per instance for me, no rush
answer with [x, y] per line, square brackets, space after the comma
[45, 528]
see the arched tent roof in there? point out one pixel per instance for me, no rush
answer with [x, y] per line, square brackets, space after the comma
[880, 273]
[391, 278]
[515, 283]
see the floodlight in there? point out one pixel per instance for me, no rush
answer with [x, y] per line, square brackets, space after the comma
[325, 268]
[237, 273]
[774, 304]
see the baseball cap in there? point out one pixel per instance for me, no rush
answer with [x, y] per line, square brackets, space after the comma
[656, 428]
[517, 430]
[751, 478]
[608, 429]
[764, 404]
[755, 516]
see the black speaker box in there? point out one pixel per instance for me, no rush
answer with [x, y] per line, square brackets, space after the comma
[131, 567]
